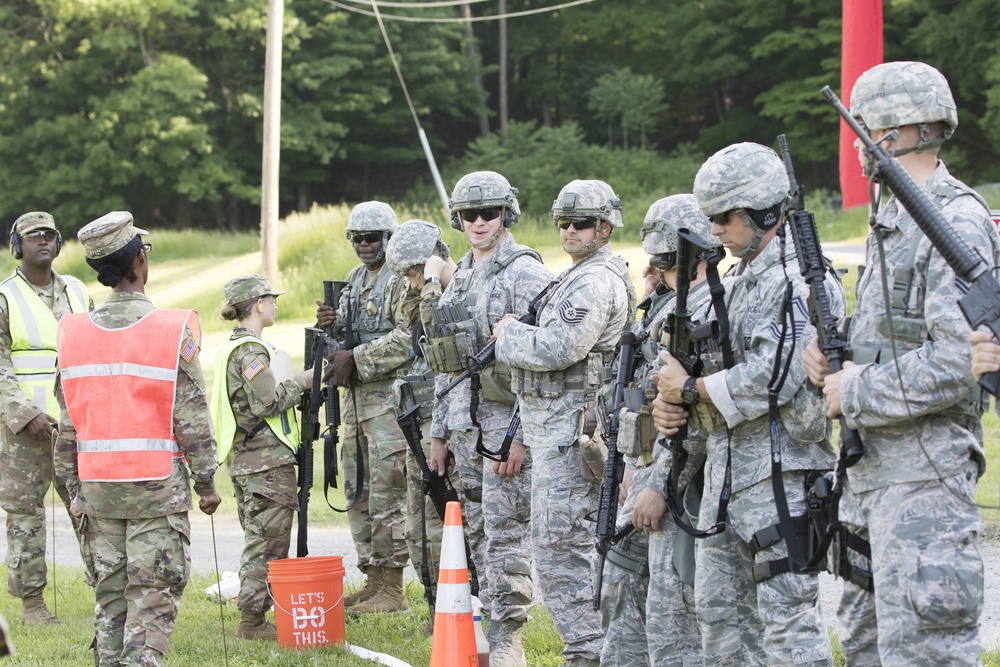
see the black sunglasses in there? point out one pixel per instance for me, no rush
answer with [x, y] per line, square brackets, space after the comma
[366, 237]
[579, 222]
[472, 214]
[722, 219]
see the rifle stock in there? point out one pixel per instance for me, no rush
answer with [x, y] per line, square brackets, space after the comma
[813, 269]
[308, 433]
[981, 304]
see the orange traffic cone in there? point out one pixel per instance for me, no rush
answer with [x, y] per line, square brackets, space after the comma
[454, 642]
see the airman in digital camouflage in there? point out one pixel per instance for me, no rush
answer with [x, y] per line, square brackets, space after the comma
[32, 300]
[371, 325]
[257, 434]
[495, 277]
[910, 395]
[744, 189]
[555, 369]
[134, 431]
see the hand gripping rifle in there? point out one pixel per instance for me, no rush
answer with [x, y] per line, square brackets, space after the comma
[309, 407]
[486, 356]
[813, 268]
[614, 467]
[981, 304]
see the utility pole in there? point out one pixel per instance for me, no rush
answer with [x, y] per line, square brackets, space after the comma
[272, 141]
[503, 72]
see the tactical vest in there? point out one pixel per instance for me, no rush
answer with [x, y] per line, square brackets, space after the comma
[33, 337]
[452, 336]
[585, 374]
[120, 387]
[906, 304]
[222, 409]
[369, 319]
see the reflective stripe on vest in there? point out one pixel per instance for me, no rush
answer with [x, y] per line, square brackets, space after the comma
[222, 409]
[119, 386]
[33, 337]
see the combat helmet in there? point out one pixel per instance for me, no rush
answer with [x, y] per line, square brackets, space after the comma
[412, 244]
[372, 216]
[590, 199]
[747, 178]
[483, 189]
[905, 93]
[665, 217]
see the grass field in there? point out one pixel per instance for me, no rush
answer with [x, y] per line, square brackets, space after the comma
[188, 269]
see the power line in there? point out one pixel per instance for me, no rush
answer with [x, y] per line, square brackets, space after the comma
[420, 5]
[419, 19]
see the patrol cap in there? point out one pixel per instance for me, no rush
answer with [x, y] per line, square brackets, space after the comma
[248, 287]
[29, 222]
[108, 234]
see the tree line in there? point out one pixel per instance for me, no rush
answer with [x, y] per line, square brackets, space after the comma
[156, 106]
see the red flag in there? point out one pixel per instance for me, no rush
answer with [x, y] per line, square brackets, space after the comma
[862, 50]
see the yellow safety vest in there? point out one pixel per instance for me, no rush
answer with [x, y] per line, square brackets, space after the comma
[33, 332]
[222, 409]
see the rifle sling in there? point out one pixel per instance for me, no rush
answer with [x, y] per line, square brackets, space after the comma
[330, 481]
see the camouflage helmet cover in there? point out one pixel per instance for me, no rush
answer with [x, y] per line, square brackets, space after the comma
[744, 175]
[371, 216]
[412, 244]
[589, 198]
[482, 189]
[666, 216]
[903, 93]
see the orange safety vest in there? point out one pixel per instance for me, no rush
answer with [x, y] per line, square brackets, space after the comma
[119, 386]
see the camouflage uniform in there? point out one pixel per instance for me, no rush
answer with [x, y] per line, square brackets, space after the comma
[915, 486]
[554, 370]
[752, 179]
[138, 532]
[374, 300]
[262, 468]
[26, 461]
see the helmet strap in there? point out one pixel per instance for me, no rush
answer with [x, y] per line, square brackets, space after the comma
[490, 242]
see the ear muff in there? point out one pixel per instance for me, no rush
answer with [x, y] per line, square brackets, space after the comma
[15, 243]
[766, 219]
[456, 222]
[509, 217]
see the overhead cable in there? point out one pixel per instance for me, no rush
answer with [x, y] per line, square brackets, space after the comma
[457, 19]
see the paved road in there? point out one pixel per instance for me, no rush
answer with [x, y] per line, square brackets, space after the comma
[337, 541]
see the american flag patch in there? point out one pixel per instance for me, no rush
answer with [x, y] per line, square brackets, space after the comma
[251, 371]
[188, 350]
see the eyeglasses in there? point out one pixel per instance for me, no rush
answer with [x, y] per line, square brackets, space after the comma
[579, 223]
[472, 214]
[40, 234]
[722, 219]
[366, 237]
[147, 246]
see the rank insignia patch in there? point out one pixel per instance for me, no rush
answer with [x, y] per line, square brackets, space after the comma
[570, 314]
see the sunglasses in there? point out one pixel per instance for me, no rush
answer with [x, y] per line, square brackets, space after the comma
[366, 237]
[472, 214]
[722, 219]
[147, 246]
[39, 234]
[578, 223]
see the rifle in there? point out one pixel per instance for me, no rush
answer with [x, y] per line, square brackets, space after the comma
[813, 268]
[486, 356]
[332, 289]
[614, 467]
[981, 304]
[309, 407]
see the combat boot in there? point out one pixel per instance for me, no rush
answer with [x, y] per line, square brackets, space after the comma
[371, 587]
[34, 611]
[505, 644]
[390, 596]
[253, 625]
[582, 662]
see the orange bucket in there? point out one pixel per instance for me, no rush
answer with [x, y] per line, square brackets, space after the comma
[308, 596]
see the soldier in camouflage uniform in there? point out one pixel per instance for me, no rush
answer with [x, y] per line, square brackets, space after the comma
[31, 302]
[555, 368]
[6, 644]
[257, 435]
[371, 314]
[744, 189]
[658, 627]
[497, 276]
[410, 247]
[911, 396]
[133, 490]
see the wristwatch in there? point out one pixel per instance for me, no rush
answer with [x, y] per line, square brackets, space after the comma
[432, 279]
[689, 393]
